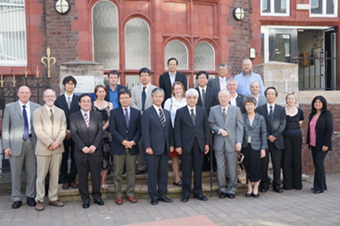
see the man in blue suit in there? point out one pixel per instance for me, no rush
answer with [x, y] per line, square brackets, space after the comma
[125, 128]
[157, 135]
[192, 139]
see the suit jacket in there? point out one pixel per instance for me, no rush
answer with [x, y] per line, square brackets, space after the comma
[211, 99]
[85, 137]
[185, 130]
[215, 82]
[136, 97]
[13, 127]
[153, 134]
[323, 130]
[262, 100]
[107, 97]
[257, 130]
[279, 123]
[240, 104]
[233, 124]
[120, 132]
[62, 104]
[47, 132]
[165, 83]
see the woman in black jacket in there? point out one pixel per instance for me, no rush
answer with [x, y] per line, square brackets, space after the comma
[319, 140]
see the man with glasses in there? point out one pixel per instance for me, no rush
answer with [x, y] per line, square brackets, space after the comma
[220, 82]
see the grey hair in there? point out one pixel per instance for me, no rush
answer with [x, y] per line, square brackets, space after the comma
[224, 91]
[232, 80]
[191, 92]
[222, 65]
[249, 99]
[247, 59]
[50, 89]
[157, 90]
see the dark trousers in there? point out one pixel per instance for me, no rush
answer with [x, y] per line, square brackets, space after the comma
[157, 174]
[207, 158]
[65, 176]
[85, 165]
[320, 175]
[276, 156]
[192, 160]
[292, 169]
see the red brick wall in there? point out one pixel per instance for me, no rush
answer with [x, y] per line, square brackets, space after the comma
[332, 161]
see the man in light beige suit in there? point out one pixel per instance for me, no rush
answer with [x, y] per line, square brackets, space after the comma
[50, 127]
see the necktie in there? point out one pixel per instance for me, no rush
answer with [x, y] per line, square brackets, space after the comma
[161, 117]
[193, 116]
[86, 118]
[127, 118]
[271, 119]
[69, 102]
[143, 98]
[52, 116]
[203, 97]
[26, 129]
[224, 115]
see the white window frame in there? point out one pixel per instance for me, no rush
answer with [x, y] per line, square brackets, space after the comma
[323, 14]
[272, 9]
[186, 49]
[16, 62]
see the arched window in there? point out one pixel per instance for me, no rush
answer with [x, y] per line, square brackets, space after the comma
[137, 44]
[204, 57]
[105, 34]
[178, 50]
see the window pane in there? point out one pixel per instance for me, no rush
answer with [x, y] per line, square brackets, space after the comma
[316, 6]
[330, 7]
[132, 80]
[105, 35]
[137, 44]
[280, 6]
[266, 6]
[204, 57]
[282, 47]
[178, 50]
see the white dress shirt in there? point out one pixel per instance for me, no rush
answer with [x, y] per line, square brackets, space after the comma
[172, 104]
[223, 83]
[268, 108]
[172, 78]
[233, 100]
[189, 108]
[83, 113]
[128, 110]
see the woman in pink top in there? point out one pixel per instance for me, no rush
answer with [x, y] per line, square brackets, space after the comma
[319, 140]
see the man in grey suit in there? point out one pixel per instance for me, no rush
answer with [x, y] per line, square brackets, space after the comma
[255, 88]
[18, 142]
[220, 83]
[141, 100]
[227, 123]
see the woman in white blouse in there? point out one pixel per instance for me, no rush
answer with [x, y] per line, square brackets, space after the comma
[172, 104]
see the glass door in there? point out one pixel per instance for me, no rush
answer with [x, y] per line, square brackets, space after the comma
[282, 44]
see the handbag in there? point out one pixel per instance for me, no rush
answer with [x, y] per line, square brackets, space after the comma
[241, 171]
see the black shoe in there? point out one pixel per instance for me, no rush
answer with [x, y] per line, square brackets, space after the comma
[313, 189]
[231, 196]
[86, 205]
[317, 192]
[99, 202]
[223, 195]
[154, 201]
[263, 189]
[277, 189]
[256, 195]
[184, 199]
[249, 195]
[16, 204]
[200, 197]
[164, 199]
[139, 172]
[31, 201]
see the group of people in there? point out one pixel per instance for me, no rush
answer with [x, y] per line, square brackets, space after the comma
[149, 124]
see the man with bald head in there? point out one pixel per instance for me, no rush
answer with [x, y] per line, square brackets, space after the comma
[255, 88]
[49, 124]
[18, 142]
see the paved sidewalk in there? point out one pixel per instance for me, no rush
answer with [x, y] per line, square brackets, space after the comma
[289, 208]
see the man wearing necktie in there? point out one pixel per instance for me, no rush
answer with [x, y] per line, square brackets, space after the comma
[125, 127]
[50, 127]
[87, 130]
[141, 100]
[275, 118]
[192, 139]
[157, 135]
[18, 143]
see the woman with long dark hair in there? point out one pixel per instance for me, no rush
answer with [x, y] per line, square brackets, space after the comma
[319, 140]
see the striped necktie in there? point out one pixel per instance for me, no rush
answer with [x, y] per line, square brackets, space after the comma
[271, 119]
[161, 117]
[86, 118]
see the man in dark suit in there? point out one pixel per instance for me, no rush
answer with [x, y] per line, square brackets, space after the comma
[68, 102]
[113, 88]
[236, 99]
[167, 79]
[87, 130]
[220, 82]
[125, 128]
[275, 118]
[192, 139]
[157, 135]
